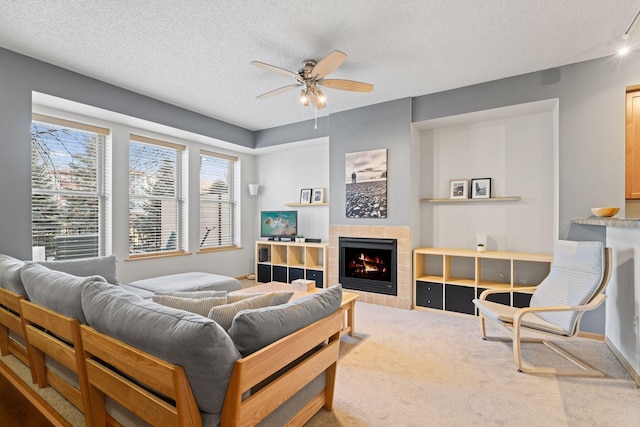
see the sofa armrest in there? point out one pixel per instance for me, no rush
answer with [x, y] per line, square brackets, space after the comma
[305, 344]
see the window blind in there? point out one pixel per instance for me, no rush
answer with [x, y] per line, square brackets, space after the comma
[219, 211]
[68, 187]
[155, 199]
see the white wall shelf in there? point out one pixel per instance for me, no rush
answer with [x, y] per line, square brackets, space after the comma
[493, 199]
[306, 204]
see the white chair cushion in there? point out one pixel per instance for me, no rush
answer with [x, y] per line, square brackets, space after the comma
[505, 314]
[576, 274]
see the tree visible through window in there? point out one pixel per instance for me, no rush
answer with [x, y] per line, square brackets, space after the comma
[218, 207]
[155, 204]
[68, 191]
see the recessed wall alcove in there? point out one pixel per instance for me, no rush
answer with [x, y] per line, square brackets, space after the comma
[517, 147]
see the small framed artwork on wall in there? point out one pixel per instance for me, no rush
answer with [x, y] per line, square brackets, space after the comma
[305, 195]
[318, 195]
[459, 189]
[481, 188]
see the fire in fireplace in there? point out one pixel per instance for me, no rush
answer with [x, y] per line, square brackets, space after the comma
[369, 265]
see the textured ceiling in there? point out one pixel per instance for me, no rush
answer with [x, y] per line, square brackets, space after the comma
[195, 54]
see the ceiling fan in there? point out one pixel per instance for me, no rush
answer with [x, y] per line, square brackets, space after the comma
[311, 76]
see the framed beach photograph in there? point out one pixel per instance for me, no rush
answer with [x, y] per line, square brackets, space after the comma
[366, 184]
[318, 195]
[305, 195]
[459, 189]
[481, 188]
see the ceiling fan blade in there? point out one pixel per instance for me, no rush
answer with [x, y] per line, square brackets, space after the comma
[328, 64]
[275, 69]
[278, 91]
[347, 85]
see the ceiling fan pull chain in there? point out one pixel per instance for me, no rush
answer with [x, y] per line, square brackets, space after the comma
[316, 123]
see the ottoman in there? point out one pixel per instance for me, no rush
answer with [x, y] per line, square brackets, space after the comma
[188, 282]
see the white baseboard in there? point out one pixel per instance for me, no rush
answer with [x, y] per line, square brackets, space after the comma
[625, 364]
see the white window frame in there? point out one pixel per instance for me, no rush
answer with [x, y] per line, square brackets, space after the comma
[177, 198]
[76, 246]
[230, 226]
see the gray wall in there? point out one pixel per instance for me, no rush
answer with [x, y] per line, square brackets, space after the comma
[19, 76]
[591, 126]
[378, 126]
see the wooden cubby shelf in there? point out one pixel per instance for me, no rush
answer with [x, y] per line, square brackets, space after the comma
[449, 279]
[288, 261]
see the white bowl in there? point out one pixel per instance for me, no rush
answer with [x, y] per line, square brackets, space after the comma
[605, 212]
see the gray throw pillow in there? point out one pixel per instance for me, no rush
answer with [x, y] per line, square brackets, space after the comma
[104, 266]
[280, 297]
[252, 330]
[224, 314]
[200, 306]
[195, 294]
[10, 274]
[56, 290]
[196, 343]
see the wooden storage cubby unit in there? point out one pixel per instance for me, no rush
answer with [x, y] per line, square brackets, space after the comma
[449, 279]
[288, 261]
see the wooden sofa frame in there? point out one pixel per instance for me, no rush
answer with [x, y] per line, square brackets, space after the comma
[115, 369]
[107, 366]
[11, 321]
[50, 333]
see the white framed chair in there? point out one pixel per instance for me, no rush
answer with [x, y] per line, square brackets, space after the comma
[579, 274]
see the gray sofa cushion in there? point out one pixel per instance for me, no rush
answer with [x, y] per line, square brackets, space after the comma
[252, 330]
[104, 266]
[193, 281]
[142, 293]
[196, 343]
[10, 274]
[56, 290]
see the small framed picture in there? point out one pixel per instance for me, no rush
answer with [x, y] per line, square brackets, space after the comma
[459, 189]
[481, 188]
[318, 195]
[305, 195]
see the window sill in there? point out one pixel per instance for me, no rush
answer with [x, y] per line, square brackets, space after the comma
[220, 249]
[156, 255]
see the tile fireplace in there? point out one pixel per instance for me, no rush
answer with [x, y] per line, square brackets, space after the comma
[402, 235]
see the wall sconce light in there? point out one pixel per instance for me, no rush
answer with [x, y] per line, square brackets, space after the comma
[253, 189]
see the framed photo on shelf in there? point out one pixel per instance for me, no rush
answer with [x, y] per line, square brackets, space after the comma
[318, 195]
[459, 189]
[305, 195]
[481, 188]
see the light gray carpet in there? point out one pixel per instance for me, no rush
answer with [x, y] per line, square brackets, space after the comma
[415, 368]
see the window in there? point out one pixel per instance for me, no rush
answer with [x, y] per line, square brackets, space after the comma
[219, 211]
[155, 197]
[68, 187]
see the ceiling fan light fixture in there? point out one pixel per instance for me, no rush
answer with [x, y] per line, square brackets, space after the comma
[311, 75]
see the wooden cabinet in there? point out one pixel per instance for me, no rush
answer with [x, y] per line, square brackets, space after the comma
[288, 261]
[449, 279]
[632, 152]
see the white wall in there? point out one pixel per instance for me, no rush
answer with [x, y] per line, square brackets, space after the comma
[623, 295]
[517, 153]
[283, 171]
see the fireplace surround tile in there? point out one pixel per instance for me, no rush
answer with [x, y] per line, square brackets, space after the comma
[403, 235]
